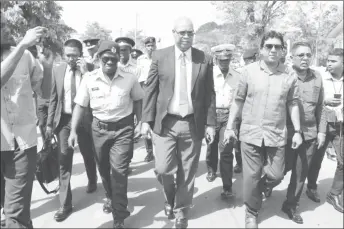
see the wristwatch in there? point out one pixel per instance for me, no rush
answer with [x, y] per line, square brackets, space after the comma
[298, 131]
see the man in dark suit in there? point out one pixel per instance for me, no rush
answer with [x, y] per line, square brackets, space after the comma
[66, 79]
[180, 100]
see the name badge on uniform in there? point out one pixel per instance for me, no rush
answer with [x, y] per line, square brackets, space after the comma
[95, 89]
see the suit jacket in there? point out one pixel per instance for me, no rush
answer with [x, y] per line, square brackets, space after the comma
[159, 89]
[57, 97]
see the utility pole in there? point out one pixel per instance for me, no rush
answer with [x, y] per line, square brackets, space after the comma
[120, 32]
[135, 28]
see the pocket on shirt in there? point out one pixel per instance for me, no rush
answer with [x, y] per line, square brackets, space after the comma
[97, 99]
[122, 98]
[315, 94]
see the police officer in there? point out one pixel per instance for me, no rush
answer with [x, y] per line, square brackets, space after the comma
[135, 53]
[250, 55]
[113, 96]
[92, 45]
[126, 62]
[225, 83]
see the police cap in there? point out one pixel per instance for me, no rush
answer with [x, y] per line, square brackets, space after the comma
[149, 40]
[224, 51]
[108, 46]
[125, 41]
[137, 52]
[250, 53]
[91, 42]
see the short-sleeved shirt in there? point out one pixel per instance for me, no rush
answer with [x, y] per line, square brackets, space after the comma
[312, 116]
[110, 100]
[130, 67]
[266, 96]
[144, 63]
[18, 114]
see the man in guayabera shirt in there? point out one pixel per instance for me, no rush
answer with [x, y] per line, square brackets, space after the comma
[313, 126]
[265, 92]
[333, 90]
[20, 77]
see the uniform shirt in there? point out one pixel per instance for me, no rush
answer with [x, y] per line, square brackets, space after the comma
[130, 67]
[92, 63]
[225, 87]
[67, 97]
[143, 63]
[18, 114]
[333, 86]
[266, 96]
[173, 107]
[312, 115]
[110, 100]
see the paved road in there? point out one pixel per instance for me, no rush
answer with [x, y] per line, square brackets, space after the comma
[209, 211]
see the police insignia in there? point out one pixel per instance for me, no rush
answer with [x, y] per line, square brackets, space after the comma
[113, 49]
[88, 44]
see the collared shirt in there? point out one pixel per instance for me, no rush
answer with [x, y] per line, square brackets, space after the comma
[130, 67]
[18, 114]
[173, 107]
[144, 63]
[266, 96]
[67, 97]
[92, 62]
[110, 100]
[312, 115]
[333, 86]
[225, 87]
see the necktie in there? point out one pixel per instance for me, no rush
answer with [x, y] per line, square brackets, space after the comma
[73, 88]
[183, 91]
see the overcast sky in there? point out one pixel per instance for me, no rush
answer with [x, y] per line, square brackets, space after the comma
[155, 18]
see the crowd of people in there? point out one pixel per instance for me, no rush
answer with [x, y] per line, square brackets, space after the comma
[272, 117]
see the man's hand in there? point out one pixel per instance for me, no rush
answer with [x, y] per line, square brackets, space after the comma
[297, 141]
[48, 133]
[333, 102]
[82, 65]
[210, 134]
[33, 36]
[73, 139]
[228, 136]
[146, 131]
[321, 140]
[137, 131]
[46, 58]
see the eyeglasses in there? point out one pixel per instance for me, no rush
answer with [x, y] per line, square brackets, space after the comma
[303, 55]
[270, 46]
[106, 59]
[183, 33]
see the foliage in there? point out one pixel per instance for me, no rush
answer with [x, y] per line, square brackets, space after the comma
[139, 38]
[23, 15]
[95, 30]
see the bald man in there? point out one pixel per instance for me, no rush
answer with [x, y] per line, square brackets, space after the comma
[180, 100]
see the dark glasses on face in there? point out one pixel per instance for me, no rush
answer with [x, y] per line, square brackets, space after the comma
[303, 55]
[270, 46]
[106, 59]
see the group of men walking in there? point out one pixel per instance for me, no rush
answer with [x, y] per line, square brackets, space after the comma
[276, 118]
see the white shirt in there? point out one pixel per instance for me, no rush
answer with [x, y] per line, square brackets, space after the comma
[130, 67]
[173, 107]
[333, 86]
[67, 103]
[143, 63]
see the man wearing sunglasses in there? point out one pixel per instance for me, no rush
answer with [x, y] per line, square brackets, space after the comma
[180, 100]
[265, 93]
[113, 96]
[313, 126]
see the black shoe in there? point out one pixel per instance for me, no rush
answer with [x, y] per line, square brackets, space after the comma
[251, 220]
[169, 211]
[227, 194]
[118, 224]
[3, 223]
[267, 192]
[182, 223]
[313, 195]
[237, 168]
[292, 213]
[149, 157]
[335, 201]
[211, 176]
[91, 187]
[107, 207]
[63, 213]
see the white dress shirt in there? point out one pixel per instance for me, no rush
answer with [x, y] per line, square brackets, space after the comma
[173, 107]
[67, 103]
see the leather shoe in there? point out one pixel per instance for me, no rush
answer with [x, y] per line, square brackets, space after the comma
[211, 176]
[169, 211]
[237, 168]
[313, 195]
[182, 223]
[251, 219]
[335, 201]
[118, 224]
[107, 207]
[91, 187]
[227, 194]
[292, 213]
[149, 157]
[63, 213]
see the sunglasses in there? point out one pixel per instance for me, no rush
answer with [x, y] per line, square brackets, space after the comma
[106, 59]
[270, 46]
[303, 55]
[183, 33]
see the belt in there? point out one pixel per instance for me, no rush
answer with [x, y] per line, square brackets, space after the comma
[222, 110]
[111, 126]
[180, 117]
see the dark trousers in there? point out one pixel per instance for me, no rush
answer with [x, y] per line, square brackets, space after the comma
[18, 169]
[42, 115]
[149, 145]
[179, 151]
[333, 136]
[298, 160]
[226, 156]
[237, 146]
[113, 146]
[66, 157]
[253, 166]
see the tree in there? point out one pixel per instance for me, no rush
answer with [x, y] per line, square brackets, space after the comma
[95, 30]
[23, 15]
[139, 38]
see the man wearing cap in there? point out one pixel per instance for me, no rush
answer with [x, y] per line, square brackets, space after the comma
[144, 63]
[135, 53]
[114, 95]
[250, 55]
[126, 62]
[66, 81]
[92, 45]
[225, 83]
